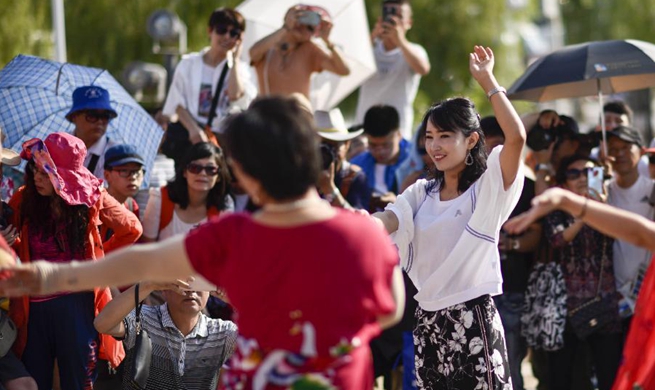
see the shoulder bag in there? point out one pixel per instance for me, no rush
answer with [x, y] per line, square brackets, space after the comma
[176, 141]
[596, 313]
[142, 354]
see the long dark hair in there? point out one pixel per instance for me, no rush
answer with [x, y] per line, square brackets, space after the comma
[178, 188]
[45, 213]
[457, 115]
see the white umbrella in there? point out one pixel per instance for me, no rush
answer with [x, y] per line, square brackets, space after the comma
[350, 34]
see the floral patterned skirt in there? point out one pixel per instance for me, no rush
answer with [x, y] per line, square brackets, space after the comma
[461, 347]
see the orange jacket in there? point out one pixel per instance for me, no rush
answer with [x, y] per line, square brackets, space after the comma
[127, 229]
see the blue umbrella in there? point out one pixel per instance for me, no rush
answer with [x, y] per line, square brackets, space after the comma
[36, 94]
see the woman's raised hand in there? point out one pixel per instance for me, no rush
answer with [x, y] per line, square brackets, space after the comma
[481, 63]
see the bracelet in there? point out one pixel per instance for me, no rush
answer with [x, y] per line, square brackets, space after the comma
[584, 209]
[496, 90]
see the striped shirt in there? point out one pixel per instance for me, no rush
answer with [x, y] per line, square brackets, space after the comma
[179, 362]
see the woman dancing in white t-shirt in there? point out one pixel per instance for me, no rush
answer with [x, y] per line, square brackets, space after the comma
[446, 229]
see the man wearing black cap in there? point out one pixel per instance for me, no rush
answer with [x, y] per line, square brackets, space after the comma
[91, 113]
[630, 191]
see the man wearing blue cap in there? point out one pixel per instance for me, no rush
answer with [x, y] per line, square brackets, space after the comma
[91, 113]
[123, 171]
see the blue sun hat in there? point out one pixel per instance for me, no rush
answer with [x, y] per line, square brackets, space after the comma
[91, 98]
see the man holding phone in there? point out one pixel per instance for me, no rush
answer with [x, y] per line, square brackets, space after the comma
[286, 59]
[400, 65]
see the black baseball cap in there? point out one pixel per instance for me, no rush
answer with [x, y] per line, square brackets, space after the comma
[625, 133]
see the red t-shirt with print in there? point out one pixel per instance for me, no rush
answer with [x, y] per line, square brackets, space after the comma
[307, 297]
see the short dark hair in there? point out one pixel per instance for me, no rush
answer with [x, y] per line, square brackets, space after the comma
[491, 127]
[275, 142]
[381, 120]
[178, 188]
[560, 174]
[227, 16]
[457, 115]
[618, 107]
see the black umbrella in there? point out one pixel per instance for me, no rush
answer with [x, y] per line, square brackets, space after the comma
[586, 69]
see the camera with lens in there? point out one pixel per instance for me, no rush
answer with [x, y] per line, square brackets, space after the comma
[540, 138]
[328, 156]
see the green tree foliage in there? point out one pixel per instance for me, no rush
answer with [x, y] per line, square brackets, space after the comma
[25, 27]
[111, 33]
[590, 20]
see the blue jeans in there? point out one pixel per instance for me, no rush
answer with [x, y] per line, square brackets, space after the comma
[510, 307]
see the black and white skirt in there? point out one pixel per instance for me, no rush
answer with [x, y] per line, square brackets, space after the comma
[461, 347]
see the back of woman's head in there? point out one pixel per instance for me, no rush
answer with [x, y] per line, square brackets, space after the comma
[178, 187]
[458, 115]
[275, 142]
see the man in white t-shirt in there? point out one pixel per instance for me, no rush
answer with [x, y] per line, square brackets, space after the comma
[628, 190]
[400, 65]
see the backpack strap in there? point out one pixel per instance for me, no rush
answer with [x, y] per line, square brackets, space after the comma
[347, 181]
[167, 210]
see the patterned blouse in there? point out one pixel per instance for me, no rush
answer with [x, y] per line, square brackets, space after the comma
[581, 261]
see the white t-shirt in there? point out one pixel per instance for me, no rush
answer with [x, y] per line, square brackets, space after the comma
[153, 214]
[380, 183]
[187, 83]
[395, 84]
[449, 248]
[628, 257]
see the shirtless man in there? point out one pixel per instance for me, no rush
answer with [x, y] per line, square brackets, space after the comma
[286, 59]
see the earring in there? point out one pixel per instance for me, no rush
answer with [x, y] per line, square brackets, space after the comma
[469, 159]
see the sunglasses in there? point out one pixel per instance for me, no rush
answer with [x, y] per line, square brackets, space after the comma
[573, 173]
[210, 170]
[94, 116]
[221, 30]
[125, 173]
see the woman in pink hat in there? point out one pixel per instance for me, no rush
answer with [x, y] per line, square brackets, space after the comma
[57, 213]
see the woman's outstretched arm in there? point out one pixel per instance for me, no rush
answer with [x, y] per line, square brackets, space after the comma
[163, 261]
[617, 223]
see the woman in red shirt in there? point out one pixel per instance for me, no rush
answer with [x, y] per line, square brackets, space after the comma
[312, 284]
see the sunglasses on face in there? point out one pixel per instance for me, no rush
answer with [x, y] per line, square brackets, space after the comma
[125, 173]
[573, 173]
[221, 30]
[210, 170]
[94, 116]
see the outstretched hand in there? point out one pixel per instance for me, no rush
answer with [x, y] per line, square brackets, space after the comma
[23, 279]
[481, 62]
[542, 205]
